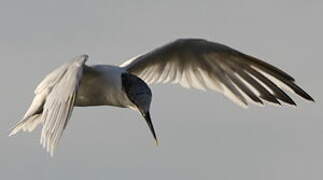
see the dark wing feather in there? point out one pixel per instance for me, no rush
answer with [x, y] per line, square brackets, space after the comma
[202, 64]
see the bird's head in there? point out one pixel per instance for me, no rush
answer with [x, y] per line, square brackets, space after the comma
[140, 95]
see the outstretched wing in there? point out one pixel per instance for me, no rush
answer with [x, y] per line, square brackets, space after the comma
[53, 103]
[203, 64]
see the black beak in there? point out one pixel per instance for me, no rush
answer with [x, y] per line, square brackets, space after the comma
[146, 115]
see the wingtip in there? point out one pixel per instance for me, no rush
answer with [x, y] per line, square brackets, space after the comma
[13, 132]
[307, 97]
[292, 103]
[311, 99]
[304, 95]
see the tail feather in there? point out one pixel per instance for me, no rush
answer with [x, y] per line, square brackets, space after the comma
[27, 124]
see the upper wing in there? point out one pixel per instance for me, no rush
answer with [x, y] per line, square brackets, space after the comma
[54, 100]
[202, 64]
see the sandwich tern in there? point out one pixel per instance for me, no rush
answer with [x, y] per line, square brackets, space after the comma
[193, 63]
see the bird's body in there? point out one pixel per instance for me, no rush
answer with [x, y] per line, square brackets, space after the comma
[102, 85]
[192, 63]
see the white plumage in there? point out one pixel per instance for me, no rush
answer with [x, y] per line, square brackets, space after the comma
[193, 63]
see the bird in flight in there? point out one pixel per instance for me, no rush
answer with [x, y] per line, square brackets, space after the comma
[193, 63]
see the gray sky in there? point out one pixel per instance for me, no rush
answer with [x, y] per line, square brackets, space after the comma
[202, 135]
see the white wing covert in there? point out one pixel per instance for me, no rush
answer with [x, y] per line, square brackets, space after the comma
[203, 65]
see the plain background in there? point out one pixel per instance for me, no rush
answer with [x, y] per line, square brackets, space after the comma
[202, 135]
